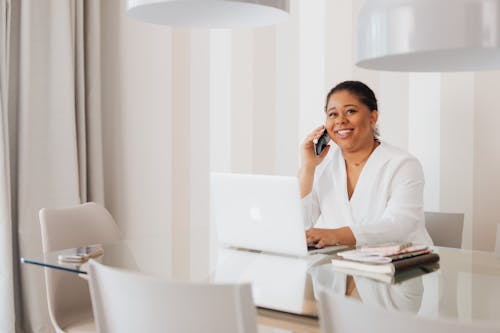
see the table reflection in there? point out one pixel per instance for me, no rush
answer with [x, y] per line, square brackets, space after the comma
[278, 282]
[405, 296]
[464, 286]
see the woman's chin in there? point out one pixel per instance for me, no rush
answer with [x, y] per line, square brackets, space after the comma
[345, 145]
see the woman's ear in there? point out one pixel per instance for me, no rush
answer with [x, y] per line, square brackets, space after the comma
[374, 117]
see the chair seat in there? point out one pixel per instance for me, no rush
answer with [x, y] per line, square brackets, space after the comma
[85, 325]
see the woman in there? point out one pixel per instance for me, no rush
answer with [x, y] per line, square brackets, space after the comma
[360, 190]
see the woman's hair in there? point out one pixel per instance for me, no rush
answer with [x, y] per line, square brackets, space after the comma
[358, 89]
[362, 92]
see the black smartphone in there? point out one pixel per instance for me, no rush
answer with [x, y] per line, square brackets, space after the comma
[321, 143]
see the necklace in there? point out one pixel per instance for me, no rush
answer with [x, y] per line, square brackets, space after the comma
[357, 164]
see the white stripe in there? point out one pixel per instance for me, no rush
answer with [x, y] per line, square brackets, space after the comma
[312, 65]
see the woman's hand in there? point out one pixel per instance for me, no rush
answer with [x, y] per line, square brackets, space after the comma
[328, 237]
[309, 158]
[321, 237]
[310, 161]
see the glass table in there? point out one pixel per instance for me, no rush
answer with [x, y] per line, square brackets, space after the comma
[464, 286]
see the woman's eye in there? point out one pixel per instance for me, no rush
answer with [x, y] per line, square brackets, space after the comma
[350, 111]
[332, 115]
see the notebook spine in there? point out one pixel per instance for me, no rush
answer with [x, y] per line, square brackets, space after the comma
[423, 259]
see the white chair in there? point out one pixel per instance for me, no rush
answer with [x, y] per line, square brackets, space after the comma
[68, 296]
[343, 315]
[445, 229]
[127, 302]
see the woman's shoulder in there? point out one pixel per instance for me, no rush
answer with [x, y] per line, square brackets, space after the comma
[400, 160]
[394, 153]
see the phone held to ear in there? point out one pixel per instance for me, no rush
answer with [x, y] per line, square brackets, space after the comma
[321, 143]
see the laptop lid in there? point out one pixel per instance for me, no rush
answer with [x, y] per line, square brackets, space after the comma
[258, 212]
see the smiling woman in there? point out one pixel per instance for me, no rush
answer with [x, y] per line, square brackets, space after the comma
[351, 115]
[359, 189]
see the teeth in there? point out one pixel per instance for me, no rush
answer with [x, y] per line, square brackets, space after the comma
[342, 132]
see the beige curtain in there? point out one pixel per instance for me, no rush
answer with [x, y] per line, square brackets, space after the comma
[7, 306]
[53, 122]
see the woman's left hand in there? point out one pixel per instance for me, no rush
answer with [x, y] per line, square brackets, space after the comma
[322, 237]
[328, 237]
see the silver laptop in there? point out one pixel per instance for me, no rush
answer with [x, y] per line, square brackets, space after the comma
[260, 212]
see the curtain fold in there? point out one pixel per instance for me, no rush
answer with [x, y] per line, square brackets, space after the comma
[55, 131]
[90, 145]
[7, 306]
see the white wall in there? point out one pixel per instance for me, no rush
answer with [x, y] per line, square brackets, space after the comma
[433, 115]
[156, 106]
[178, 103]
[136, 98]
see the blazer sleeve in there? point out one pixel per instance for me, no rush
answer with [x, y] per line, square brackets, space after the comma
[310, 209]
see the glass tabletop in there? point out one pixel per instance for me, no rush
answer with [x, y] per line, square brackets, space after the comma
[279, 283]
[465, 285]
[116, 255]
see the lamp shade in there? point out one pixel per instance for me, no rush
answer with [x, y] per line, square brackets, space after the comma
[209, 13]
[429, 35]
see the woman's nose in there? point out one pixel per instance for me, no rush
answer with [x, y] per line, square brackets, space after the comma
[341, 119]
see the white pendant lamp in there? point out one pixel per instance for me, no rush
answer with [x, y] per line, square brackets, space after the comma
[429, 35]
[210, 13]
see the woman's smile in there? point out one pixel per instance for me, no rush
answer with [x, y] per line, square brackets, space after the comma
[344, 133]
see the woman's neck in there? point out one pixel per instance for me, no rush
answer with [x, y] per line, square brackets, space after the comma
[360, 156]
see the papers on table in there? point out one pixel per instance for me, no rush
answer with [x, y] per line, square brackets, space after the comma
[384, 259]
[376, 256]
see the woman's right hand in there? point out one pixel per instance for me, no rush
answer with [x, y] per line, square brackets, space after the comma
[309, 158]
[310, 161]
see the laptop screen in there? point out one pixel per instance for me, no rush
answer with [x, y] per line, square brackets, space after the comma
[258, 212]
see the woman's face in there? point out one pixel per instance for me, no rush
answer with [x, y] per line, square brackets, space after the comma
[349, 122]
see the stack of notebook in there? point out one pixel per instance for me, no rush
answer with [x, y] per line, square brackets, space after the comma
[384, 259]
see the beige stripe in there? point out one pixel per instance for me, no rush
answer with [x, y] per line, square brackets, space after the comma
[264, 87]
[312, 65]
[457, 148]
[242, 100]
[220, 99]
[287, 95]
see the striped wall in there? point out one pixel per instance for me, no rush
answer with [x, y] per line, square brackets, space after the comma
[242, 101]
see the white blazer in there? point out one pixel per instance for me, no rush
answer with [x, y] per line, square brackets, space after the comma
[387, 203]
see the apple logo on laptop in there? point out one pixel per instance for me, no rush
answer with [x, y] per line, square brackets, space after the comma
[255, 213]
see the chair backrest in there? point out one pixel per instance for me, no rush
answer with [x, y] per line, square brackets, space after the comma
[340, 314]
[67, 294]
[445, 229]
[127, 302]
